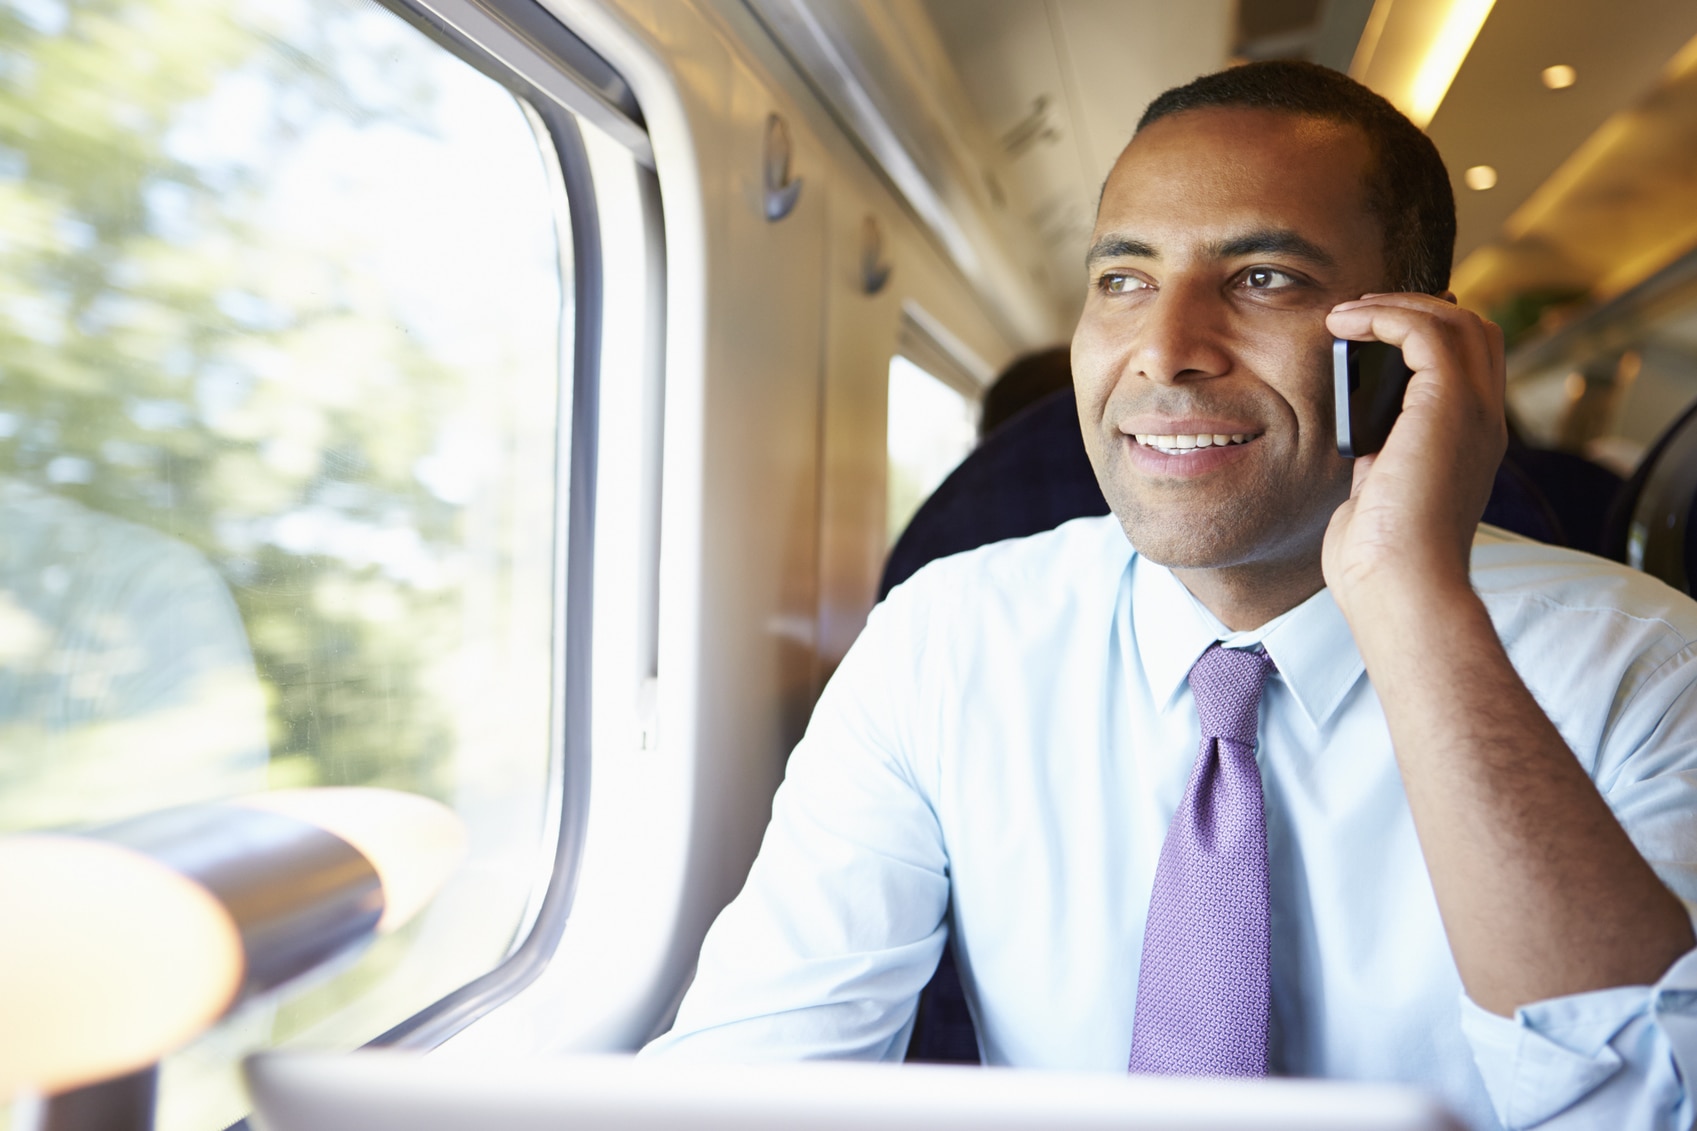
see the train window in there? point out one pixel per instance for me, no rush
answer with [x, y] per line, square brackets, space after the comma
[932, 426]
[284, 314]
[1608, 383]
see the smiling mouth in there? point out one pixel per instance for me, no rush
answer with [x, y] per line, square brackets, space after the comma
[1183, 445]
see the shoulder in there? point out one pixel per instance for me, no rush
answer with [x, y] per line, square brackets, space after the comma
[1055, 565]
[1510, 571]
[1004, 603]
[1598, 644]
[978, 635]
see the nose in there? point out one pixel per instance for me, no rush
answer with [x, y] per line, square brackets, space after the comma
[1178, 339]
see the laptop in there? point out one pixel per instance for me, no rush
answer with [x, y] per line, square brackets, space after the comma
[380, 1090]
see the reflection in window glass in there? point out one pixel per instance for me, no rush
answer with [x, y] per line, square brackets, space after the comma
[280, 339]
[931, 429]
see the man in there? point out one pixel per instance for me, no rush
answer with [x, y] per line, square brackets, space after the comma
[1400, 854]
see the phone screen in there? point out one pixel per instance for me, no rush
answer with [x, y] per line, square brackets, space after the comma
[1368, 383]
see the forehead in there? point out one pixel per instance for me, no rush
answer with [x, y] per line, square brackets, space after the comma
[1209, 173]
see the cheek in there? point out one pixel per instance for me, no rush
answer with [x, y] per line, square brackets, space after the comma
[1301, 376]
[1094, 365]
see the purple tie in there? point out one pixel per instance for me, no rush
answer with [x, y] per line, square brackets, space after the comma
[1203, 990]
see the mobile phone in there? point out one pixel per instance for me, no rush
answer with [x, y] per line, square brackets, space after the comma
[1368, 382]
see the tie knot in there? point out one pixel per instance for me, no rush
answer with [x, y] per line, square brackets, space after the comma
[1226, 683]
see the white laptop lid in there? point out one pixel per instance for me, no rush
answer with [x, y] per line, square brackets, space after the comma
[390, 1091]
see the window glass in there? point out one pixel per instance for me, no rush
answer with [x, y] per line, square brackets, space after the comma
[281, 318]
[1620, 379]
[931, 429]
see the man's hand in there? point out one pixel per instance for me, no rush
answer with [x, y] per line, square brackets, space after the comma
[1413, 507]
[1541, 892]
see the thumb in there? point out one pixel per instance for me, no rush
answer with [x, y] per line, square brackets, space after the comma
[1363, 468]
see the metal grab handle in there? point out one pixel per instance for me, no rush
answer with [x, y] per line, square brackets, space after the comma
[781, 191]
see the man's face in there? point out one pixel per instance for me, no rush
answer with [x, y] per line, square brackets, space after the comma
[1224, 237]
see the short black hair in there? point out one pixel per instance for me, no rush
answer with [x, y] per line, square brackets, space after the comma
[1408, 188]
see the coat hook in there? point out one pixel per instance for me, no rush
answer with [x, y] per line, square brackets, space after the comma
[874, 272]
[781, 191]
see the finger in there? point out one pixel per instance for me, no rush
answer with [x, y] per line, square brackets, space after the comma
[1362, 319]
[1412, 299]
[1446, 296]
[1430, 338]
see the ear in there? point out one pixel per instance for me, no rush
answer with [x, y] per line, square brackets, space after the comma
[1449, 297]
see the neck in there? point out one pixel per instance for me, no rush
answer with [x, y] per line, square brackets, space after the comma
[1248, 596]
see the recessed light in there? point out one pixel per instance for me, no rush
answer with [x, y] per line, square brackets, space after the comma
[1480, 177]
[1560, 77]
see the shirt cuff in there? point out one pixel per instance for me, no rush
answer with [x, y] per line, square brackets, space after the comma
[1552, 1054]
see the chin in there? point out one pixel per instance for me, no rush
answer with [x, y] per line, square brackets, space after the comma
[1225, 538]
[1265, 523]
[1174, 546]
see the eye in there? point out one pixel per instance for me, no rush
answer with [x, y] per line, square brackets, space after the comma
[1118, 283]
[1266, 279]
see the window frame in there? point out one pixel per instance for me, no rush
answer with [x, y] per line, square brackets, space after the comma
[525, 49]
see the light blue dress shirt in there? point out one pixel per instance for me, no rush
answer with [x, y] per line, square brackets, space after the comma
[1001, 752]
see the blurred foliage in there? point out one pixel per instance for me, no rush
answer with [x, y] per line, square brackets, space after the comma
[165, 360]
[1525, 313]
[171, 355]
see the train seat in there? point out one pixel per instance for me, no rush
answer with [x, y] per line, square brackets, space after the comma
[1578, 491]
[1650, 525]
[1029, 475]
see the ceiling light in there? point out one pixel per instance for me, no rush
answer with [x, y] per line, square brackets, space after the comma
[1443, 58]
[1560, 77]
[1480, 177]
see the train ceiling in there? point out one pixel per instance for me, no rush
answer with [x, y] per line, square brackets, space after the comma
[1012, 112]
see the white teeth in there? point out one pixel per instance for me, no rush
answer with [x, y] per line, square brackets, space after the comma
[1172, 444]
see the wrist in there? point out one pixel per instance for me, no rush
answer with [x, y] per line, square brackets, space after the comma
[1409, 588]
[1423, 650]
[1401, 608]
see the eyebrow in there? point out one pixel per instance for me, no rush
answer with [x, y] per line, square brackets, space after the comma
[1277, 241]
[1119, 247]
[1266, 241]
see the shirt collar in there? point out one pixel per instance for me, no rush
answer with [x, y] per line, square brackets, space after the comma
[1311, 644]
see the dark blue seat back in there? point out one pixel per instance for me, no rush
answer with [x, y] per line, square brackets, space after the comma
[1578, 491]
[1028, 476]
[1516, 504]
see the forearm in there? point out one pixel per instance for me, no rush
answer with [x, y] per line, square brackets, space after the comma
[1541, 891]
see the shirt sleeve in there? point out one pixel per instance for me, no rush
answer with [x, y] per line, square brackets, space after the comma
[1610, 1058]
[842, 919]
[1624, 1057]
